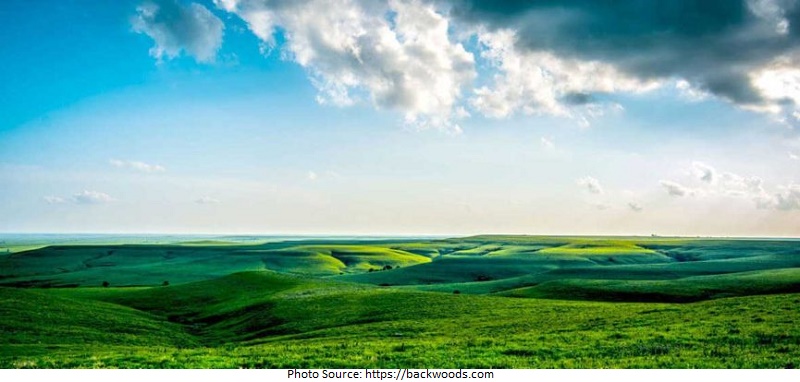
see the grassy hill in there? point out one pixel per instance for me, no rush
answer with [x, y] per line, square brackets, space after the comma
[127, 265]
[264, 319]
[484, 301]
[682, 290]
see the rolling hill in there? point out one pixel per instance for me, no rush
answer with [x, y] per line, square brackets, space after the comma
[476, 302]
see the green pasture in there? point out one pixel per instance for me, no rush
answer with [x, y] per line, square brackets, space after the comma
[475, 302]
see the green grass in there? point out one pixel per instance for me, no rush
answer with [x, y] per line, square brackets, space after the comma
[521, 301]
[597, 248]
[685, 289]
[35, 316]
[270, 320]
[126, 265]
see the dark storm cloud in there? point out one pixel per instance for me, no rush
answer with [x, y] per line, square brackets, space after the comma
[712, 43]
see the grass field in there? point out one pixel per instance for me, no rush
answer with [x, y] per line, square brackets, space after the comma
[475, 302]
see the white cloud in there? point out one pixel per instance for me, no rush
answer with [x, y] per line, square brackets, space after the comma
[539, 82]
[409, 55]
[91, 197]
[748, 58]
[778, 82]
[327, 175]
[547, 144]
[136, 165]
[788, 198]
[690, 92]
[207, 200]
[590, 184]
[54, 199]
[635, 207]
[704, 172]
[175, 27]
[745, 187]
[772, 12]
[676, 189]
[731, 185]
[397, 54]
[794, 156]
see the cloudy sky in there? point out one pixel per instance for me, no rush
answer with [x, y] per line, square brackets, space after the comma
[401, 117]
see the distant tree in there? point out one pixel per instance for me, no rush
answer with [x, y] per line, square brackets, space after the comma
[106, 284]
[456, 291]
[387, 268]
[371, 270]
[165, 283]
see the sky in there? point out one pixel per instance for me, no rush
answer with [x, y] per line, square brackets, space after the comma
[401, 117]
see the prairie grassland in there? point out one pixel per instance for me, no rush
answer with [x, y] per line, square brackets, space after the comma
[489, 301]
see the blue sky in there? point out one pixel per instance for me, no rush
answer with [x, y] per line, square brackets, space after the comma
[397, 117]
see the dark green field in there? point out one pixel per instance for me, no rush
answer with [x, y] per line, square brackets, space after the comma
[475, 302]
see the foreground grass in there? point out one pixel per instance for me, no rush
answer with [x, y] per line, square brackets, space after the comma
[264, 319]
[477, 302]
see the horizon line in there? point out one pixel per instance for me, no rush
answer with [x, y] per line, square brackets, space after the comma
[391, 235]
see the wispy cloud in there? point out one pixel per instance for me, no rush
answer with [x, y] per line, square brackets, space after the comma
[547, 144]
[690, 92]
[176, 28]
[729, 184]
[590, 184]
[543, 83]
[788, 198]
[704, 172]
[91, 197]
[207, 200]
[635, 207]
[397, 55]
[136, 165]
[83, 197]
[54, 199]
[676, 189]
